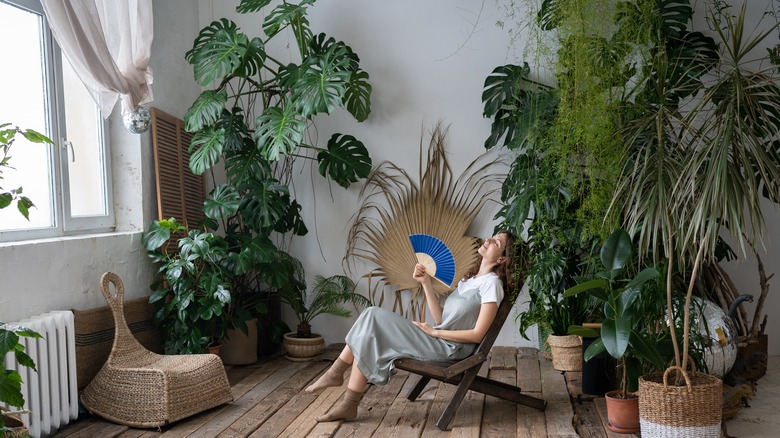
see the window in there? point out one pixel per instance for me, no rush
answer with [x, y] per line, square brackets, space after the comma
[69, 183]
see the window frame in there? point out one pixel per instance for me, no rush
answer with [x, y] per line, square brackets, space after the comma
[63, 223]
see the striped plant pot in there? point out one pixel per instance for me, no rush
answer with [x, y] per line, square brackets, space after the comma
[670, 411]
[302, 349]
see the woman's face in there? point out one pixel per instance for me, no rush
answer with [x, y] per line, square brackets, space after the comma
[493, 248]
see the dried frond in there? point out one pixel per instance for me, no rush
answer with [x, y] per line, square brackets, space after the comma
[394, 205]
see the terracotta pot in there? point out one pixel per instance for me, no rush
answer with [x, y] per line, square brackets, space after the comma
[214, 348]
[239, 348]
[622, 413]
[301, 349]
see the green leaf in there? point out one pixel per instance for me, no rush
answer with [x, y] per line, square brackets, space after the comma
[345, 161]
[643, 277]
[36, 137]
[594, 349]
[596, 283]
[251, 5]
[206, 110]
[357, 97]
[281, 16]
[205, 149]
[218, 50]
[500, 85]
[615, 334]
[252, 60]
[258, 250]
[616, 251]
[323, 82]
[646, 350]
[223, 201]
[584, 332]
[11, 388]
[278, 132]
[23, 205]
[156, 236]
[264, 204]
[5, 200]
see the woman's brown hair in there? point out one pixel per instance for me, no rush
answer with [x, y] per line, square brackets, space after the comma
[506, 269]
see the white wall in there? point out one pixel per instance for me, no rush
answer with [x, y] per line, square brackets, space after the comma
[424, 68]
[65, 273]
[427, 62]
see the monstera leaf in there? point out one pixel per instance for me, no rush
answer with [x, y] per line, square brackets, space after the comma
[206, 110]
[358, 96]
[279, 132]
[206, 148]
[264, 203]
[218, 51]
[251, 5]
[222, 202]
[323, 83]
[283, 15]
[501, 85]
[345, 161]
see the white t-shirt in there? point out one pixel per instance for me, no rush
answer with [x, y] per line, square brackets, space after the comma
[489, 285]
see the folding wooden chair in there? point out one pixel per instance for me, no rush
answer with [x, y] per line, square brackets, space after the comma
[464, 374]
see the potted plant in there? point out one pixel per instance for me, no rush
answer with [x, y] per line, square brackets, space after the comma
[10, 380]
[192, 286]
[620, 333]
[252, 118]
[326, 297]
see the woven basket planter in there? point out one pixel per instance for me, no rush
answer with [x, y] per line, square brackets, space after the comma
[15, 426]
[303, 349]
[566, 352]
[691, 410]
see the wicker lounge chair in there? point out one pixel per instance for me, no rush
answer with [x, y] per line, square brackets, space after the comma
[139, 388]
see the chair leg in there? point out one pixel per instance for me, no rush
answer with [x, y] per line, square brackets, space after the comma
[417, 390]
[460, 393]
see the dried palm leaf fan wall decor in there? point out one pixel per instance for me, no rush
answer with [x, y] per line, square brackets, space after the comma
[396, 211]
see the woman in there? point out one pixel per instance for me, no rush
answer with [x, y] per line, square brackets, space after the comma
[380, 336]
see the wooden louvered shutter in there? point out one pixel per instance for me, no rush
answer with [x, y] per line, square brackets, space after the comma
[180, 193]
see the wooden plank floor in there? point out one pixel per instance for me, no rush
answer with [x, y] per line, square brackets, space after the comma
[270, 402]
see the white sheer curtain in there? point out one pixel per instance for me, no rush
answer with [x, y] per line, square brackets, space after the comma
[108, 43]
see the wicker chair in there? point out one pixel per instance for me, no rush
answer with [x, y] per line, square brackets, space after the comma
[139, 388]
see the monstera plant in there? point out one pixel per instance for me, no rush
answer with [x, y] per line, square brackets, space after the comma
[253, 117]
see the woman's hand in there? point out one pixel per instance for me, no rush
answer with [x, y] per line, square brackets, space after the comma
[421, 275]
[424, 326]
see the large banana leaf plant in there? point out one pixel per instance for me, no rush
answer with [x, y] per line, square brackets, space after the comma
[253, 117]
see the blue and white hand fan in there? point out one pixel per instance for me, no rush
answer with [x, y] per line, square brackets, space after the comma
[435, 256]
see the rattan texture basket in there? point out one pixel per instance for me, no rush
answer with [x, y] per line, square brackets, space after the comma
[691, 410]
[139, 388]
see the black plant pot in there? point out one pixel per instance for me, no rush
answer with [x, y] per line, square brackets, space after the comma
[597, 373]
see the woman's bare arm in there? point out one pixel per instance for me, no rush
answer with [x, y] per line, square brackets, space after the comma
[487, 313]
[431, 299]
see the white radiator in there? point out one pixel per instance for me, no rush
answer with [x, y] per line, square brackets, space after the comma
[50, 394]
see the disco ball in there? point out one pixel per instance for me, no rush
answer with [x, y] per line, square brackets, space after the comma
[137, 121]
[717, 335]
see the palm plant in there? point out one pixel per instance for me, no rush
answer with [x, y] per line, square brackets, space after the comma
[327, 295]
[700, 165]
